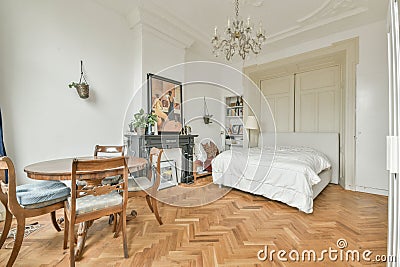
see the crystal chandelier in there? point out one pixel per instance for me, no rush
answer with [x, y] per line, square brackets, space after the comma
[238, 37]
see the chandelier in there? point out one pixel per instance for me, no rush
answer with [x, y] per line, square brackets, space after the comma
[238, 38]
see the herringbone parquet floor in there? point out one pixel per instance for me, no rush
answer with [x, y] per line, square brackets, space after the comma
[228, 232]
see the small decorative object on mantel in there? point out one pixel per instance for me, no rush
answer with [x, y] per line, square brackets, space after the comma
[188, 130]
[206, 116]
[152, 124]
[82, 87]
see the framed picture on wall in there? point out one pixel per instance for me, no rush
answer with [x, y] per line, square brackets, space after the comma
[165, 100]
[235, 129]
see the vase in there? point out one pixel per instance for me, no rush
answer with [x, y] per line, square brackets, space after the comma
[140, 130]
[150, 129]
[155, 129]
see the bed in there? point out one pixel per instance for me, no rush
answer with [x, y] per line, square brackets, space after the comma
[294, 170]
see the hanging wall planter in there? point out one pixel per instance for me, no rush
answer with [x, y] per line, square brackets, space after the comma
[82, 87]
[206, 117]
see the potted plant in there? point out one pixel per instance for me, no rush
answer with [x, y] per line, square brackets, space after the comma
[207, 117]
[82, 88]
[152, 122]
[139, 122]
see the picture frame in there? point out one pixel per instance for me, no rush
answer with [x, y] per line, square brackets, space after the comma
[168, 174]
[235, 129]
[165, 100]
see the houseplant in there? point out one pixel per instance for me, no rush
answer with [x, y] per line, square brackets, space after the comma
[82, 87]
[207, 117]
[139, 122]
[152, 122]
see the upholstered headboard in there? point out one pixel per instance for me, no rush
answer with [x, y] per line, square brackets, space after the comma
[327, 143]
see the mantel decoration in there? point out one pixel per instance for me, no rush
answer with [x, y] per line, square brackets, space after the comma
[82, 87]
[206, 117]
[141, 120]
[239, 37]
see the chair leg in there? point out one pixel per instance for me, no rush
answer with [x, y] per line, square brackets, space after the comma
[148, 200]
[6, 228]
[115, 222]
[119, 226]
[71, 239]
[66, 231]
[18, 241]
[111, 218]
[155, 208]
[124, 238]
[54, 221]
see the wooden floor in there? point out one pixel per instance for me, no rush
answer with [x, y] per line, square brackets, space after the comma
[228, 232]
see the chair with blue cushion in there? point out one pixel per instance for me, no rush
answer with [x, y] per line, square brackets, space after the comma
[25, 201]
[95, 200]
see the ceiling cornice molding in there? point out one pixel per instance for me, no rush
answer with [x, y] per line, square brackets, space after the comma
[165, 24]
[330, 11]
[164, 30]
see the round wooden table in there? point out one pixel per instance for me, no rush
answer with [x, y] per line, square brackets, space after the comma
[60, 169]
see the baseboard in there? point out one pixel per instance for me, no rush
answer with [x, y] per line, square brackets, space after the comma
[371, 190]
[341, 182]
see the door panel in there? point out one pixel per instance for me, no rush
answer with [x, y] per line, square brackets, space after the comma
[327, 112]
[279, 93]
[318, 104]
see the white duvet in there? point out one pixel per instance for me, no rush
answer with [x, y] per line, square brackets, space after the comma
[286, 174]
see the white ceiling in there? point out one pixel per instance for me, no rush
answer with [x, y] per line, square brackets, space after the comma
[290, 20]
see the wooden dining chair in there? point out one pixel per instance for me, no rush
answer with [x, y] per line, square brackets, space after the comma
[111, 180]
[109, 151]
[95, 199]
[25, 201]
[149, 184]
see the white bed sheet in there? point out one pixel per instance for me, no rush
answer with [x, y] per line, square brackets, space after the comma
[286, 174]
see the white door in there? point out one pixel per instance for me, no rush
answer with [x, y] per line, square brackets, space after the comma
[393, 144]
[279, 93]
[318, 101]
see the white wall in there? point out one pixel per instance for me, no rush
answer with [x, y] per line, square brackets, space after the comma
[42, 43]
[372, 99]
[154, 53]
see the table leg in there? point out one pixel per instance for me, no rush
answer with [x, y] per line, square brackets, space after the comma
[82, 235]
